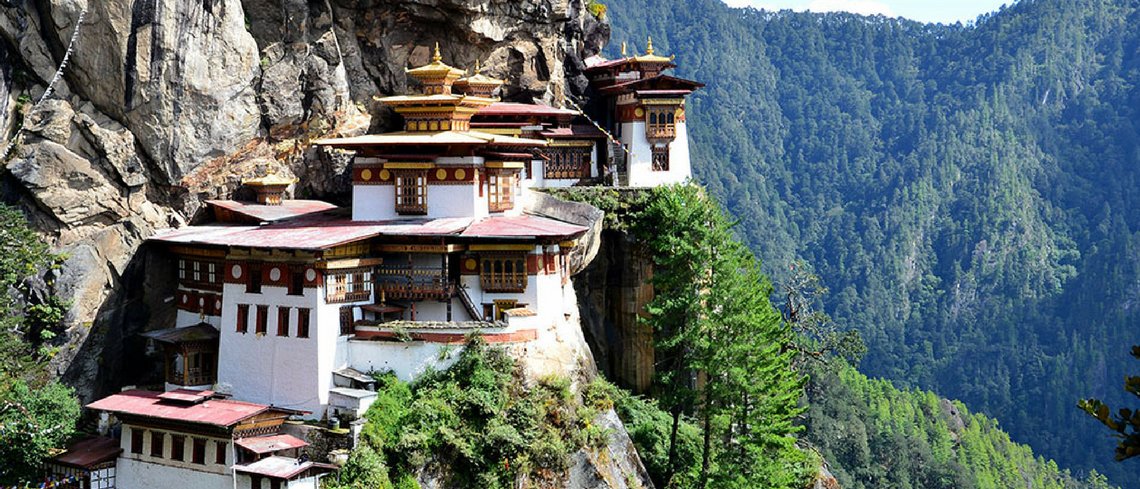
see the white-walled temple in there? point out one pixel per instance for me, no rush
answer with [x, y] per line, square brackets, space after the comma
[288, 304]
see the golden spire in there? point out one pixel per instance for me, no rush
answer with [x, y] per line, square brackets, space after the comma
[623, 49]
[649, 47]
[436, 58]
[477, 67]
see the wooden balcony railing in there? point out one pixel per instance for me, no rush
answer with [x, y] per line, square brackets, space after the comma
[660, 131]
[338, 297]
[414, 283]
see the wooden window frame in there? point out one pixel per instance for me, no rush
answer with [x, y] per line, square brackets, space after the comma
[200, 274]
[262, 325]
[570, 162]
[220, 449]
[198, 451]
[157, 444]
[411, 192]
[503, 272]
[283, 320]
[253, 280]
[178, 447]
[501, 190]
[241, 323]
[660, 158]
[137, 441]
[661, 122]
[354, 285]
[296, 281]
[303, 322]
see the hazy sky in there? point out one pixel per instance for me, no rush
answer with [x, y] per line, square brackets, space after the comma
[945, 11]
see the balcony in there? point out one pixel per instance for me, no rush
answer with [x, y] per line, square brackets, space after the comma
[660, 131]
[414, 284]
[343, 296]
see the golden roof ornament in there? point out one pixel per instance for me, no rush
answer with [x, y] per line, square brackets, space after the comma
[623, 49]
[649, 56]
[478, 84]
[436, 76]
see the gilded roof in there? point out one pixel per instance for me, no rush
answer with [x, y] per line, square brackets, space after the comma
[437, 68]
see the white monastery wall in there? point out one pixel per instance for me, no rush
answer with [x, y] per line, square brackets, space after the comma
[407, 360]
[271, 369]
[640, 160]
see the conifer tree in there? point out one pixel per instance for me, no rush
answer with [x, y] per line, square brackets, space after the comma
[722, 346]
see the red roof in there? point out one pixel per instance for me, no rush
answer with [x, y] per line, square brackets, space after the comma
[517, 109]
[524, 226]
[186, 395]
[89, 452]
[259, 212]
[316, 232]
[281, 467]
[217, 412]
[658, 82]
[268, 444]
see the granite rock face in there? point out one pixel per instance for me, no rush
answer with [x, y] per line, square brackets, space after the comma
[167, 103]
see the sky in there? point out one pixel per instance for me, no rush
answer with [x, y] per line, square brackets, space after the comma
[944, 11]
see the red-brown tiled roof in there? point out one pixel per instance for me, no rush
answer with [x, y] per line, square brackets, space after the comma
[281, 467]
[524, 226]
[269, 444]
[89, 452]
[287, 210]
[316, 232]
[654, 83]
[216, 412]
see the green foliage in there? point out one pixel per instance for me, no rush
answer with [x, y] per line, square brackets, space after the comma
[33, 420]
[597, 9]
[476, 421]
[649, 427]
[36, 414]
[876, 435]
[621, 205]
[712, 320]
[1126, 422]
[967, 192]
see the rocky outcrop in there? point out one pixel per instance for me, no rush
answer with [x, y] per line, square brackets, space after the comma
[166, 103]
[612, 293]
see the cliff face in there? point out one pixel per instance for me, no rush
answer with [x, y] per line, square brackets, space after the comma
[166, 103]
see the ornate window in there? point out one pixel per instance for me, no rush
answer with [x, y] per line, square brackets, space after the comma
[661, 158]
[348, 286]
[501, 190]
[567, 162]
[411, 192]
[660, 122]
[503, 273]
[199, 274]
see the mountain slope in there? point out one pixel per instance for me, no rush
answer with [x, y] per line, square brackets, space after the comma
[964, 190]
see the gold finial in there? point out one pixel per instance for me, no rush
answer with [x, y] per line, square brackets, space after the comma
[623, 49]
[436, 58]
[649, 46]
[477, 69]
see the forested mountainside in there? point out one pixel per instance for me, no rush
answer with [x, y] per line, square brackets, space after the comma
[967, 192]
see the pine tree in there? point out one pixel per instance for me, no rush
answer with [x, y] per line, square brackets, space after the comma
[723, 347]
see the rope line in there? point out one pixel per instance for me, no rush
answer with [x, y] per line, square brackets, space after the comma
[51, 84]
